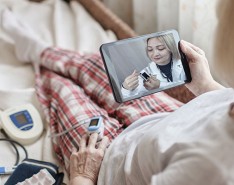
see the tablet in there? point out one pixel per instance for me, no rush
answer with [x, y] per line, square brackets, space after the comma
[145, 64]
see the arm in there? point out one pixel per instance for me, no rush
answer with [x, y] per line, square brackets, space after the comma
[202, 81]
[85, 164]
[190, 168]
[81, 181]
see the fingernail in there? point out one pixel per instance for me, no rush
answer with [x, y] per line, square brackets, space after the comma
[182, 42]
[182, 45]
[231, 110]
[73, 150]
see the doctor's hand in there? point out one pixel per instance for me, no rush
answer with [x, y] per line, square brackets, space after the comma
[151, 83]
[131, 82]
[85, 164]
[202, 81]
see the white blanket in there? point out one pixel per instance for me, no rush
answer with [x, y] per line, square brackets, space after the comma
[60, 24]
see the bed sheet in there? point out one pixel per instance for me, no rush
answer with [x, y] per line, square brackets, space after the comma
[60, 24]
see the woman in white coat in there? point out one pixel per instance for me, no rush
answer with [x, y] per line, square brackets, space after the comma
[164, 69]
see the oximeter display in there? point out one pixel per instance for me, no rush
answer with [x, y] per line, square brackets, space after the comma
[96, 126]
[94, 122]
[21, 119]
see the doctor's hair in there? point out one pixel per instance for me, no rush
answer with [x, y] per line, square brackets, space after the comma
[169, 42]
[224, 46]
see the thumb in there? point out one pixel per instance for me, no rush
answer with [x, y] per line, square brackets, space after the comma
[135, 72]
[190, 53]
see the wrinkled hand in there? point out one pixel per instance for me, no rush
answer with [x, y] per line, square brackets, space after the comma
[202, 81]
[87, 161]
[152, 83]
[131, 82]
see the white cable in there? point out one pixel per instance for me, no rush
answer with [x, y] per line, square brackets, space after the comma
[85, 121]
[66, 131]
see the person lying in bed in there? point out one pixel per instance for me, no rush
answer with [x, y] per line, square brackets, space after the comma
[192, 145]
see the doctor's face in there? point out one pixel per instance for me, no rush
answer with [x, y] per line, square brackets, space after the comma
[158, 52]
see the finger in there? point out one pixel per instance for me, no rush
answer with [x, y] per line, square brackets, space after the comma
[195, 48]
[129, 78]
[152, 78]
[74, 150]
[93, 140]
[188, 51]
[147, 84]
[132, 81]
[133, 76]
[104, 143]
[231, 110]
[134, 85]
[73, 160]
[135, 72]
[83, 142]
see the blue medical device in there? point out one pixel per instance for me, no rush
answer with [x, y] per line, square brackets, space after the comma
[22, 123]
[96, 126]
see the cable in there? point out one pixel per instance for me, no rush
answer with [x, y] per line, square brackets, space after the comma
[16, 150]
[17, 143]
[9, 170]
[84, 121]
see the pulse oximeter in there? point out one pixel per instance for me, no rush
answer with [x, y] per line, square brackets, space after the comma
[96, 126]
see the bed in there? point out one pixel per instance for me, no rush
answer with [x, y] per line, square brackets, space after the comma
[82, 25]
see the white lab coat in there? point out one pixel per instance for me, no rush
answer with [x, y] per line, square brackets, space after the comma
[178, 75]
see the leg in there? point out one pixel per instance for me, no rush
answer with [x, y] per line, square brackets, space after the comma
[28, 45]
[65, 104]
[88, 72]
[85, 70]
[133, 110]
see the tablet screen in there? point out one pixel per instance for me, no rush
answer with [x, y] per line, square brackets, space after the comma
[144, 65]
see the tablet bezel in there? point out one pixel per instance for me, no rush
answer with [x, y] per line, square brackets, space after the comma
[113, 77]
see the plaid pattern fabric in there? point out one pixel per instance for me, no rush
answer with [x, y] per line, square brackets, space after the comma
[73, 88]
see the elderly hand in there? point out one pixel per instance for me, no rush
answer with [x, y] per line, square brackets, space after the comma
[202, 81]
[152, 83]
[85, 164]
[131, 82]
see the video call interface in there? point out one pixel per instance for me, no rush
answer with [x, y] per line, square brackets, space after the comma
[144, 65]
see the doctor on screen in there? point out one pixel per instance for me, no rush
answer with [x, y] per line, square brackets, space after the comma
[164, 69]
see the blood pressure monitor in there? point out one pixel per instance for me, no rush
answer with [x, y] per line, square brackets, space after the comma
[22, 123]
[96, 126]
